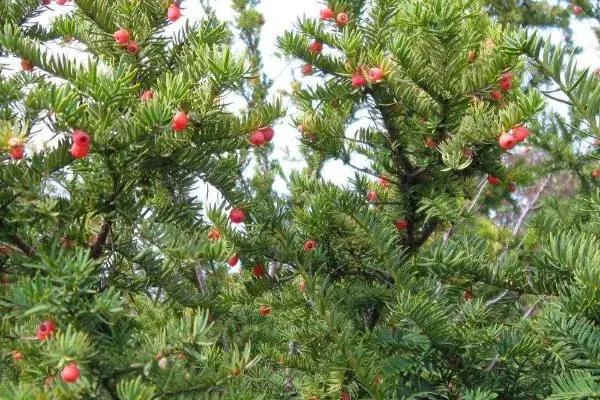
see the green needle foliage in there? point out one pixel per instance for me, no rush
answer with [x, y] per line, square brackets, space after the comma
[396, 285]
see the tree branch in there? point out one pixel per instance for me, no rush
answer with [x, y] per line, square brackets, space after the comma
[96, 249]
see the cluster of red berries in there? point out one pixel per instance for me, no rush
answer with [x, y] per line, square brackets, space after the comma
[505, 84]
[513, 137]
[81, 144]
[261, 136]
[16, 148]
[122, 37]
[359, 79]
[174, 12]
[341, 19]
[69, 374]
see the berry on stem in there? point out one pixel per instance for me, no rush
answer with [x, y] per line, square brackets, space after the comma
[121, 36]
[147, 96]
[61, 2]
[384, 182]
[506, 82]
[512, 187]
[173, 13]
[17, 152]
[79, 151]
[180, 121]
[70, 374]
[492, 180]
[326, 13]
[45, 330]
[507, 141]
[496, 95]
[596, 173]
[258, 270]
[17, 356]
[26, 65]
[577, 10]
[133, 47]
[81, 138]
[471, 56]
[315, 46]
[264, 310]
[401, 224]
[342, 19]
[237, 215]
[358, 79]
[429, 142]
[310, 245]
[372, 195]
[376, 74]
[268, 133]
[257, 138]
[307, 69]
[520, 133]
[233, 260]
[214, 234]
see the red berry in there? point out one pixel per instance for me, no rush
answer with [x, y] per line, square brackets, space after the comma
[61, 2]
[376, 74]
[173, 13]
[496, 95]
[344, 396]
[264, 310]
[507, 141]
[520, 133]
[81, 138]
[121, 36]
[45, 330]
[471, 56]
[237, 215]
[468, 153]
[26, 65]
[147, 95]
[79, 151]
[70, 374]
[257, 138]
[133, 47]
[17, 152]
[233, 260]
[268, 133]
[492, 180]
[214, 234]
[506, 82]
[326, 13]
[46, 2]
[384, 182]
[258, 270]
[358, 80]
[467, 295]
[512, 187]
[596, 173]
[310, 245]
[372, 196]
[342, 19]
[306, 69]
[577, 10]
[302, 286]
[316, 46]
[429, 142]
[17, 356]
[401, 224]
[180, 121]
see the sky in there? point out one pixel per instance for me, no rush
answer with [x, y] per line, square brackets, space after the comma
[280, 15]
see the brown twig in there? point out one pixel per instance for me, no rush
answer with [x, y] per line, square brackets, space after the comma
[96, 249]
